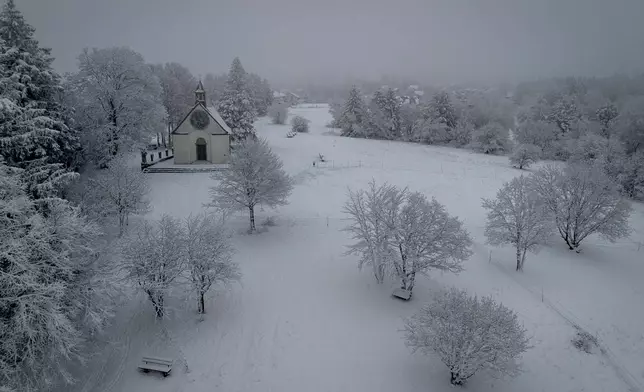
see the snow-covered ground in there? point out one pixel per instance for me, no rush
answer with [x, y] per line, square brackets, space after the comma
[305, 319]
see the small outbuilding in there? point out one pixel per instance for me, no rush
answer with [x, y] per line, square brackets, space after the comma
[202, 136]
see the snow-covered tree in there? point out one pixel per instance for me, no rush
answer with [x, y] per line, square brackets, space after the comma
[261, 93]
[468, 334]
[33, 133]
[430, 132]
[153, 259]
[353, 117]
[606, 116]
[426, 237]
[278, 113]
[386, 119]
[541, 134]
[215, 85]
[403, 233]
[492, 138]
[46, 305]
[518, 216]
[208, 256]
[525, 155]
[236, 105]
[120, 102]
[632, 175]
[583, 200]
[300, 124]
[255, 177]
[441, 110]
[120, 190]
[178, 86]
[372, 214]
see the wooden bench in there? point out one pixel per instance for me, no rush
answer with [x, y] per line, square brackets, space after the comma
[162, 365]
[402, 294]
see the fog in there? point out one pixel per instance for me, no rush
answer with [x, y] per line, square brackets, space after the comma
[439, 41]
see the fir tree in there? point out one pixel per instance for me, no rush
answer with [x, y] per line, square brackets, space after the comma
[387, 118]
[353, 118]
[441, 110]
[33, 133]
[236, 106]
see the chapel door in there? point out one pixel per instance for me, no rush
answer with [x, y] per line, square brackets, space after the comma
[201, 150]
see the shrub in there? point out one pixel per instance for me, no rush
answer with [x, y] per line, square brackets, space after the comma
[300, 124]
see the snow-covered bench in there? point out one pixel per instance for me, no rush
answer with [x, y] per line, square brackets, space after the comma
[162, 365]
[402, 294]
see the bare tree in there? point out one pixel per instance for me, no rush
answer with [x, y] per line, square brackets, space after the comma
[372, 214]
[583, 201]
[120, 190]
[525, 155]
[209, 255]
[427, 237]
[468, 334]
[518, 216]
[255, 177]
[153, 258]
[403, 233]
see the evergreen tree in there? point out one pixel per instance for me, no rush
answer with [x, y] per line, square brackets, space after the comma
[236, 105]
[441, 110]
[33, 133]
[353, 118]
[387, 117]
[261, 93]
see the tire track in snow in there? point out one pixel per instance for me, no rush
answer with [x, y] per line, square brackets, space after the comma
[622, 372]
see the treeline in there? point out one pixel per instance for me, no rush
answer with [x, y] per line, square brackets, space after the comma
[466, 118]
[589, 120]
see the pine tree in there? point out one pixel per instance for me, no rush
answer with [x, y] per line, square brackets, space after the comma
[33, 133]
[441, 110]
[236, 105]
[354, 115]
[387, 118]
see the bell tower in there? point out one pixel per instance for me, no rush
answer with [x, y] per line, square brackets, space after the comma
[200, 94]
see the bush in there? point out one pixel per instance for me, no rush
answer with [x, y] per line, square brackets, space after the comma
[525, 155]
[468, 334]
[584, 341]
[300, 124]
[278, 113]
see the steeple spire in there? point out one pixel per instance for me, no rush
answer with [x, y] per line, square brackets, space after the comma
[200, 94]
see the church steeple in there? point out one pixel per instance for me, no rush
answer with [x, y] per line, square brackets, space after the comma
[200, 94]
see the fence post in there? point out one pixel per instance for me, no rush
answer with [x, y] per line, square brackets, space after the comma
[541, 294]
[489, 260]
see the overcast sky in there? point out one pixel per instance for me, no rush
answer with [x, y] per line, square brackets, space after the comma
[433, 40]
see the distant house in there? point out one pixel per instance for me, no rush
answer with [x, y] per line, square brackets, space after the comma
[292, 98]
[202, 136]
[279, 97]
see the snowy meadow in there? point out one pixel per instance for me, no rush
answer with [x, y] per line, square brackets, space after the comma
[303, 317]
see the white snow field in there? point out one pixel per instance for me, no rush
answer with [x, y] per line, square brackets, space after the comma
[305, 319]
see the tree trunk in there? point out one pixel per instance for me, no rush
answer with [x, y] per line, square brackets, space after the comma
[252, 218]
[202, 303]
[519, 260]
[411, 281]
[455, 379]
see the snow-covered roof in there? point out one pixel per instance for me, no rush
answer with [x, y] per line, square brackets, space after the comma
[413, 87]
[277, 94]
[420, 93]
[215, 114]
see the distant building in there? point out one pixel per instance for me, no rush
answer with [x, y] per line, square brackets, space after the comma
[202, 136]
